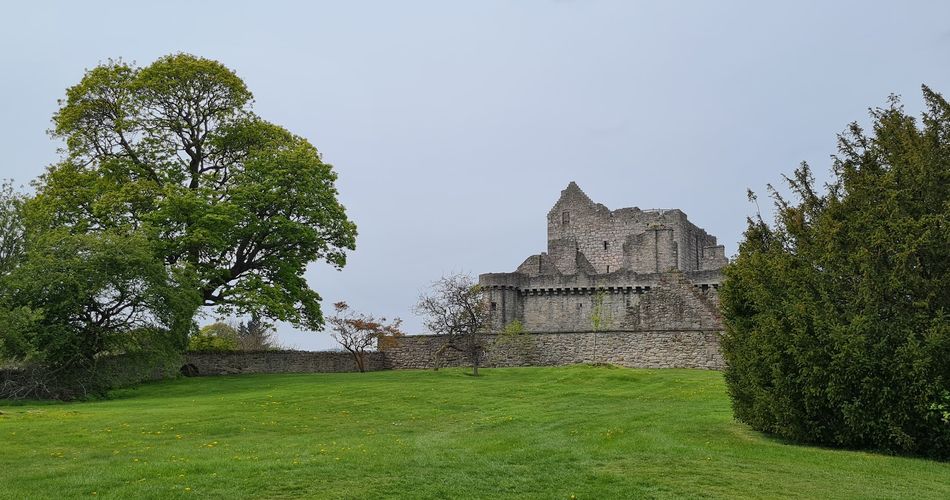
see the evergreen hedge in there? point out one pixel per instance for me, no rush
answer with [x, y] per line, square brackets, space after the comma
[837, 316]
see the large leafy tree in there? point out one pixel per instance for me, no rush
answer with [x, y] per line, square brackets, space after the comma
[173, 151]
[838, 316]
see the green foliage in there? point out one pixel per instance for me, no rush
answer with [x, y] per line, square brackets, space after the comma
[600, 316]
[11, 228]
[171, 194]
[172, 151]
[79, 298]
[513, 328]
[19, 325]
[215, 337]
[513, 336]
[838, 318]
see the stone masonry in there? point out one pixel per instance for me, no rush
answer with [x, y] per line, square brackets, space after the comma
[629, 286]
[636, 349]
[231, 363]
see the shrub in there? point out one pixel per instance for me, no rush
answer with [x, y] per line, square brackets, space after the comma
[74, 300]
[215, 337]
[837, 318]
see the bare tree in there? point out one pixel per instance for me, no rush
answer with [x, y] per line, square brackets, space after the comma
[358, 332]
[456, 309]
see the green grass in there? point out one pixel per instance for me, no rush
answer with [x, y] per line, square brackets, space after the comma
[590, 432]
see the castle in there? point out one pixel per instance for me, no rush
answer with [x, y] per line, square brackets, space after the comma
[630, 287]
[610, 270]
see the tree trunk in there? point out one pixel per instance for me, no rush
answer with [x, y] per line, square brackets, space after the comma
[437, 357]
[356, 358]
[594, 356]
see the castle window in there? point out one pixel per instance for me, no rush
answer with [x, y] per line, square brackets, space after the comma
[580, 305]
[605, 245]
[566, 218]
[494, 306]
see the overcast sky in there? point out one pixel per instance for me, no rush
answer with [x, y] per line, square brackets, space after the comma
[453, 126]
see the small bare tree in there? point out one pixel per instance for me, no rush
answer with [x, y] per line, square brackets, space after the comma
[456, 309]
[357, 332]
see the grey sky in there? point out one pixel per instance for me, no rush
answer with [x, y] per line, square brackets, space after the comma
[454, 125]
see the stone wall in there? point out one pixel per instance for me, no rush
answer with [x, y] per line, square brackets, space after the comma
[634, 349]
[686, 348]
[618, 301]
[227, 363]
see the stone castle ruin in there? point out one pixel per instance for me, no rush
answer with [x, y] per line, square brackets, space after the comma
[625, 269]
[630, 287]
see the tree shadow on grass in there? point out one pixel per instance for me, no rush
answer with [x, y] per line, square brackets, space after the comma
[745, 431]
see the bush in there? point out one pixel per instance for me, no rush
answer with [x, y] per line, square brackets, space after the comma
[215, 337]
[74, 300]
[35, 381]
[837, 318]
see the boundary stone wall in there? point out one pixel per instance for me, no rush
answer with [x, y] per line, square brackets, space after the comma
[228, 363]
[685, 348]
[633, 349]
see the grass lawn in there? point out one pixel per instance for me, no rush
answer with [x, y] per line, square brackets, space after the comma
[586, 432]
